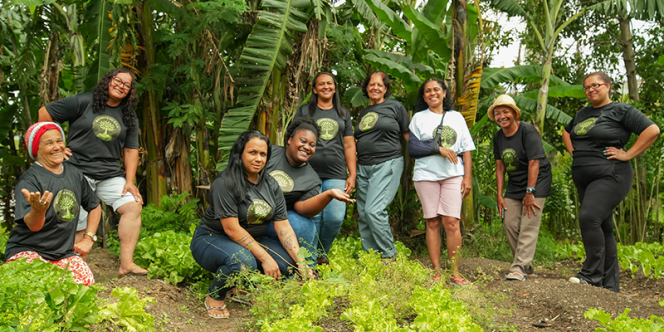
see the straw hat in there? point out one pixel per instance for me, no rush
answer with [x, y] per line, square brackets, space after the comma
[504, 100]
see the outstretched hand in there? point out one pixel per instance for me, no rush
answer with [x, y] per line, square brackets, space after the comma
[529, 205]
[38, 203]
[338, 194]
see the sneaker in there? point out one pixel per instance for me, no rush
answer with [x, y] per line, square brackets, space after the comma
[576, 280]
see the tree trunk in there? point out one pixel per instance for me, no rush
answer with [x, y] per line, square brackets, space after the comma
[543, 94]
[628, 56]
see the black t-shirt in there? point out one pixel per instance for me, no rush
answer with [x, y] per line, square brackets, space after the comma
[263, 203]
[329, 161]
[594, 129]
[515, 152]
[379, 130]
[96, 140]
[297, 183]
[55, 240]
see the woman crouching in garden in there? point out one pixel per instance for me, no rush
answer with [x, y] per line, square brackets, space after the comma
[518, 150]
[48, 196]
[299, 182]
[442, 143]
[245, 201]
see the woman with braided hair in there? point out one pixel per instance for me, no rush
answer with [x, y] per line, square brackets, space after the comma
[103, 128]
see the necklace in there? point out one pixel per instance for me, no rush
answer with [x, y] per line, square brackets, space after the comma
[62, 167]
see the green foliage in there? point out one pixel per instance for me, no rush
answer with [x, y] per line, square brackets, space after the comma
[176, 213]
[128, 312]
[167, 255]
[4, 237]
[571, 250]
[649, 257]
[437, 310]
[622, 322]
[43, 297]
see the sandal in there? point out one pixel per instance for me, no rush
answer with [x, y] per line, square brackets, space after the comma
[208, 308]
[515, 275]
[531, 275]
[460, 282]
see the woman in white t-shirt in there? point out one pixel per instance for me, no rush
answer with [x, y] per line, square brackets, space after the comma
[442, 173]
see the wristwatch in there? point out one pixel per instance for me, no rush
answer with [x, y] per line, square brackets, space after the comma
[530, 190]
[92, 235]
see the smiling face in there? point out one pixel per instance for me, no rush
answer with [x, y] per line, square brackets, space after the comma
[598, 96]
[117, 90]
[301, 147]
[51, 151]
[254, 157]
[376, 89]
[434, 94]
[325, 88]
[505, 116]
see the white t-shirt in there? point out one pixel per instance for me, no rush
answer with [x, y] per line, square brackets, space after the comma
[455, 136]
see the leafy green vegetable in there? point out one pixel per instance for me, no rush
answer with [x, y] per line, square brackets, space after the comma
[129, 311]
[622, 322]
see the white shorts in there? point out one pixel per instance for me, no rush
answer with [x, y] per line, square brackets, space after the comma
[109, 191]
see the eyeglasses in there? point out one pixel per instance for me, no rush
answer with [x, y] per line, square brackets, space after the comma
[593, 86]
[120, 82]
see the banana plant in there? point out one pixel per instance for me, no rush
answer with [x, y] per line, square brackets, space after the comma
[266, 49]
[98, 29]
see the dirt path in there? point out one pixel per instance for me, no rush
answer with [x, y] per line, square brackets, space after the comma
[549, 300]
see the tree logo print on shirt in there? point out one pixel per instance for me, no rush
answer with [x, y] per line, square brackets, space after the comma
[285, 182]
[368, 121]
[258, 212]
[448, 136]
[509, 159]
[585, 126]
[65, 205]
[106, 128]
[328, 128]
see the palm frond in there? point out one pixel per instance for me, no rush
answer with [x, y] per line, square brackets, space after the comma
[98, 34]
[467, 103]
[510, 7]
[574, 91]
[551, 112]
[432, 33]
[527, 73]
[399, 27]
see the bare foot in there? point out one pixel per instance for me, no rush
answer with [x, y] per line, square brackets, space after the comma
[132, 270]
[216, 309]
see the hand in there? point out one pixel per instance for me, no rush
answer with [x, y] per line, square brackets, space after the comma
[83, 247]
[131, 187]
[615, 153]
[466, 186]
[450, 154]
[501, 205]
[270, 268]
[67, 153]
[305, 271]
[340, 195]
[529, 205]
[350, 185]
[38, 203]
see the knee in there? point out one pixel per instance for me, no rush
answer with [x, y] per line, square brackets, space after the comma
[433, 224]
[131, 209]
[588, 220]
[451, 225]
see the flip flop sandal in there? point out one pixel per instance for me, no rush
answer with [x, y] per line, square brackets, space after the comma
[208, 308]
[459, 282]
[515, 275]
[532, 275]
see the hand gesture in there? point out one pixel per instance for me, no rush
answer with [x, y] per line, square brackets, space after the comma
[450, 154]
[615, 153]
[84, 246]
[350, 185]
[131, 188]
[466, 186]
[529, 205]
[271, 268]
[338, 194]
[502, 207]
[38, 203]
[67, 153]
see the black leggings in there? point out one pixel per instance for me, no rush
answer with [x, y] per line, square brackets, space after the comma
[601, 188]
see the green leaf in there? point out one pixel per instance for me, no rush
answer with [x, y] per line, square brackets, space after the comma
[98, 27]
[356, 97]
[487, 201]
[432, 33]
[600, 315]
[574, 91]
[510, 7]
[491, 77]
[395, 70]
[407, 61]
[660, 60]
[434, 10]
[551, 112]
[399, 27]
[367, 14]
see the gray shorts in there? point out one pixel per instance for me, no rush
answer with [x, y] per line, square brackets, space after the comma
[110, 192]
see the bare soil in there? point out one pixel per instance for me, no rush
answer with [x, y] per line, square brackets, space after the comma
[549, 301]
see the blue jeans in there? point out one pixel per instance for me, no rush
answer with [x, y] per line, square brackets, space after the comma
[304, 229]
[329, 221]
[376, 187]
[222, 256]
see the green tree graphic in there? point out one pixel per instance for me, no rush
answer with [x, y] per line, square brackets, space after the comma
[326, 127]
[447, 137]
[508, 158]
[366, 121]
[106, 126]
[66, 202]
[583, 127]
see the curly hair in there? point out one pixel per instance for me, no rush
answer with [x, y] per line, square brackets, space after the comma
[386, 82]
[128, 103]
[235, 173]
[421, 104]
[305, 122]
[336, 101]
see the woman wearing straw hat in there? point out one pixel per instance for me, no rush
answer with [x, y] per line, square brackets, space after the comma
[518, 150]
[48, 196]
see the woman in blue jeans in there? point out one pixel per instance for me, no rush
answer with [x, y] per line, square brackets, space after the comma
[245, 201]
[334, 161]
[299, 182]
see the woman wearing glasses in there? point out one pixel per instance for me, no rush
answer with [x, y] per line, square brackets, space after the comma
[102, 129]
[602, 173]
